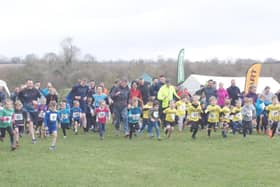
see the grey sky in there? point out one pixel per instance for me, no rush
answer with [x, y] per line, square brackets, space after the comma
[128, 29]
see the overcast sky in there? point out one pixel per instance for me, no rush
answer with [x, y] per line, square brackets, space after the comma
[128, 29]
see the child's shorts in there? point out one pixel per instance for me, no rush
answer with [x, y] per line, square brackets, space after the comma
[52, 129]
[171, 124]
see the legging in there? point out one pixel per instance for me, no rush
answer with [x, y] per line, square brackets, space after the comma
[10, 131]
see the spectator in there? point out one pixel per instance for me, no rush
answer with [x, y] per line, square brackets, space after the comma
[92, 88]
[233, 92]
[222, 95]
[2, 95]
[120, 96]
[252, 93]
[144, 89]
[210, 91]
[14, 95]
[267, 95]
[154, 88]
[135, 92]
[52, 96]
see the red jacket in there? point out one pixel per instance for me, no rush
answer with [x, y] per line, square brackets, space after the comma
[135, 93]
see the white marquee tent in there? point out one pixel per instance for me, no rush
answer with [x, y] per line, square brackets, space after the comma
[193, 82]
[4, 85]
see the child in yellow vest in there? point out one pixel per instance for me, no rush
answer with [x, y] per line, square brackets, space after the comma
[213, 112]
[194, 115]
[170, 118]
[273, 115]
[225, 118]
[236, 116]
[181, 107]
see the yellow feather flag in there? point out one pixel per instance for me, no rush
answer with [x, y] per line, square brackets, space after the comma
[252, 76]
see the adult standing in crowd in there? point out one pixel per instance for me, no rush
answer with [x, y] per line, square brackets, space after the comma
[135, 92]
[51, 96]
[267, 95]
[120, 96]
[252, 93]
[222, 94]
[233, 92]
[144, 89]
[79, 92]
[161, 81]
[29, 98]
[209, 91]
[2, 95]
[14, 95]
[154, 88]
[166, 94]
[92, 88]
[278, 95]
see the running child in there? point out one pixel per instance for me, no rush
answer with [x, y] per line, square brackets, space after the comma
[248, 116]
[145, 117]
[6, 122]
[154, 120]
[236, 116]
[273, 115]
[90, 115]
[134, 114]
[194, 115]
[42, 108]
[213, 114]
[170, 118]
[64, 115]
[226, 117]
[19, 121]
[181, 107]
[102, 115]
[260, 106]
[50, 121]
[76, 112]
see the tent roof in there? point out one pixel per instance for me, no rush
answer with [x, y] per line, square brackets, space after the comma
[4, 84]
[146, 77]
[240, 82]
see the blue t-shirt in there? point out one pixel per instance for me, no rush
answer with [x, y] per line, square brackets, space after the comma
[64, 116]
[134, 115]
[76, 113]
[51, 117]
[97, 98]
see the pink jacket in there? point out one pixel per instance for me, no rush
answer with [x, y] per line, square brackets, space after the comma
[222, 95]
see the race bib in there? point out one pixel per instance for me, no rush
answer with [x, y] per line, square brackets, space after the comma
[101, 114]
[64, 116]
[274, 113]
[136, 117]
[194, 114]
[53, 117]
[183, 107]
[76, 114]
[18, 117]
[172, 116]
[212, 116]
[239, 115]
[155, 114]
[249, 114]
[227, 116]
[41, 114]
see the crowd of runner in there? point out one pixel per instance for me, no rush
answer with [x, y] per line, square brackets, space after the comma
[135, 107]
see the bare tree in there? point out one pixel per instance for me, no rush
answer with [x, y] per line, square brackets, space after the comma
[69, 50]
[88, 58]
[50, 57]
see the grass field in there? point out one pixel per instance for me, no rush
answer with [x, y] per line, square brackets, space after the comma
[84, 160]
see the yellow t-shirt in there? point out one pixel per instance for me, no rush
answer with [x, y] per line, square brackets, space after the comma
[226, 114]
[170, 114]
[213, 113]
[146, 110]
[274, 112]
[181, 107]
[236, 116]
[194, 113]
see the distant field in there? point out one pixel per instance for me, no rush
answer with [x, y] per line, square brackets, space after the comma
[84, 160]
[11, 65]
